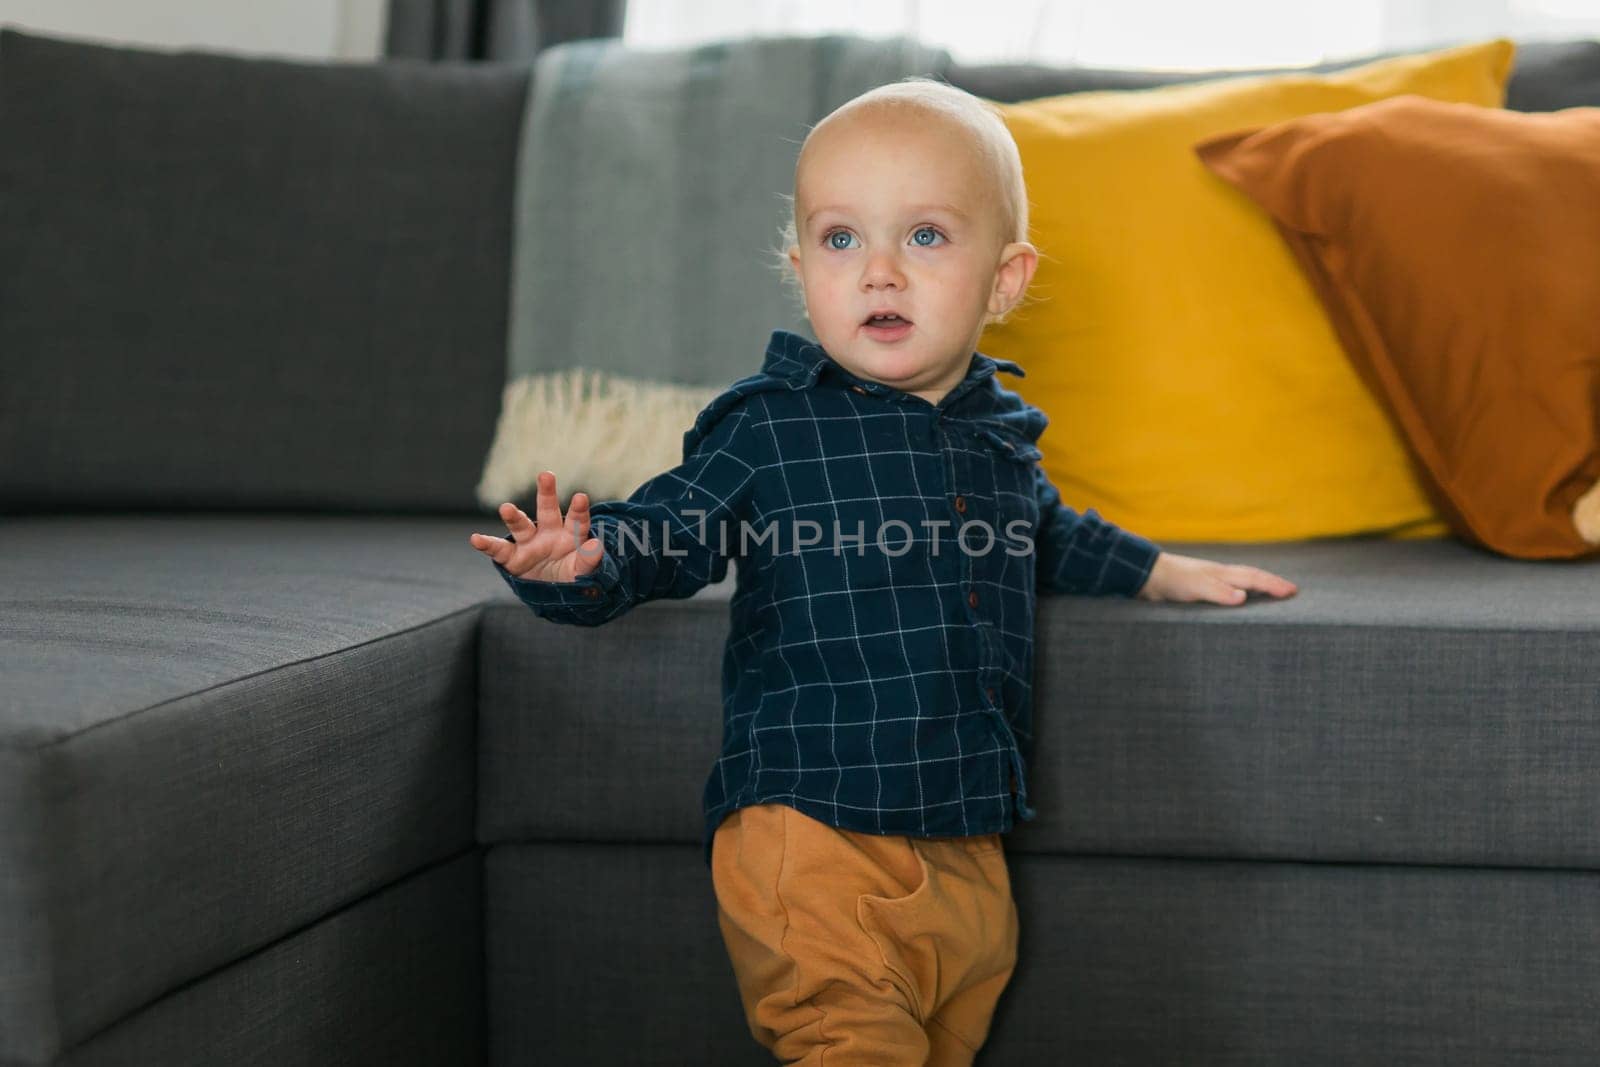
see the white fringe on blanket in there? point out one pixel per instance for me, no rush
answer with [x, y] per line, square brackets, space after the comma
[601, 434]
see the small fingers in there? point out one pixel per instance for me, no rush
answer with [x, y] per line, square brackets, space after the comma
[496, 548]
[1236, 595]
[546, 507]
[1246, 577]
[578, 518]
[587, 557]
[517, 522]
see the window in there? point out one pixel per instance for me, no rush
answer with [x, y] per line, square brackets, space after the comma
[1174, 34]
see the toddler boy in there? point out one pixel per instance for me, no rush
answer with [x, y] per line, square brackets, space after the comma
[882, 492]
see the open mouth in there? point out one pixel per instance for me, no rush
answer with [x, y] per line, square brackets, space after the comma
[886, 326]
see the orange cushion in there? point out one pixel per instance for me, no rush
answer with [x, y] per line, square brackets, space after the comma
[1457, 251]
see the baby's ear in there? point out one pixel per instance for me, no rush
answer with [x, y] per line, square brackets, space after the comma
[1018, 261]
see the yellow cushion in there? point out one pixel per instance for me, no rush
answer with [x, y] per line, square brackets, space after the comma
[1195, 387]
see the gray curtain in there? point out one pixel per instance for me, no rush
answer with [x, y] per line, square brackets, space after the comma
[507, 31]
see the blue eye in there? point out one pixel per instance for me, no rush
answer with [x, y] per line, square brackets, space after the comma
[833, 243]
[917, 236]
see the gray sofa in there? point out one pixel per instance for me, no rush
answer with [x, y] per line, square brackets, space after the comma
[288, 776]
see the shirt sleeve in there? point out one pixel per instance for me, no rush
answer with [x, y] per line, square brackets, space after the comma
[671, 537]
[1083, 553]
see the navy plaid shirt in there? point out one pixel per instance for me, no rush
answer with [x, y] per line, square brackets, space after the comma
[878, 673]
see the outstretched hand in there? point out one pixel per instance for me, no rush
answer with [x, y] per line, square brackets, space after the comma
[552, 549]
[1177, 577]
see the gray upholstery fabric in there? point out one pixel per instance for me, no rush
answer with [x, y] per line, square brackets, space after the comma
[654, 984]
[1551, 75]
[396, 978]
[627, 716]
[507, 31]
[214, 730]
[1121, 962]
[238, 282]
[1010, 82]
[1420, 701]
[1127, 963]
[1548, 75]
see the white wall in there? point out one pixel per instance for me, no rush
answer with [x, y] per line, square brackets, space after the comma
[312, 29]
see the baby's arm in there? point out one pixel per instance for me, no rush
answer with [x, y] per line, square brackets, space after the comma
[662, 541]
[1086, 554]
[1083, 553]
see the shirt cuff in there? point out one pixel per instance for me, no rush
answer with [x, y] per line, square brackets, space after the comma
[1132, 559]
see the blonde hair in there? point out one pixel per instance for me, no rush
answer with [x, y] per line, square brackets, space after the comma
[920, 96]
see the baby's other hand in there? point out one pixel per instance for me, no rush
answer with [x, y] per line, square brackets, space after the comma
[550, 550]
[1186, 578]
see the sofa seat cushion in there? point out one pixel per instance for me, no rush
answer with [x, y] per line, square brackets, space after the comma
[214, 730]
[396, 978]
[1416, 702]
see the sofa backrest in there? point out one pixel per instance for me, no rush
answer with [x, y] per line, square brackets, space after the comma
[1548, 75]
[237, 282]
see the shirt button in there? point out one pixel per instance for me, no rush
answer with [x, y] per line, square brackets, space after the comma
[591, 592]
[989, 692]
[858, 389]
[972, 598]
[961, 504]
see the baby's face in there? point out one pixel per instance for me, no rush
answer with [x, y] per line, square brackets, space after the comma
[898, 217]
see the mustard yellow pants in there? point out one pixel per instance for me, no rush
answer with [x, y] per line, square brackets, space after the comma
[856, 948]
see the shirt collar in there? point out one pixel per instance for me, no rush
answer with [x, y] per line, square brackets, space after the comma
[800, 362]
